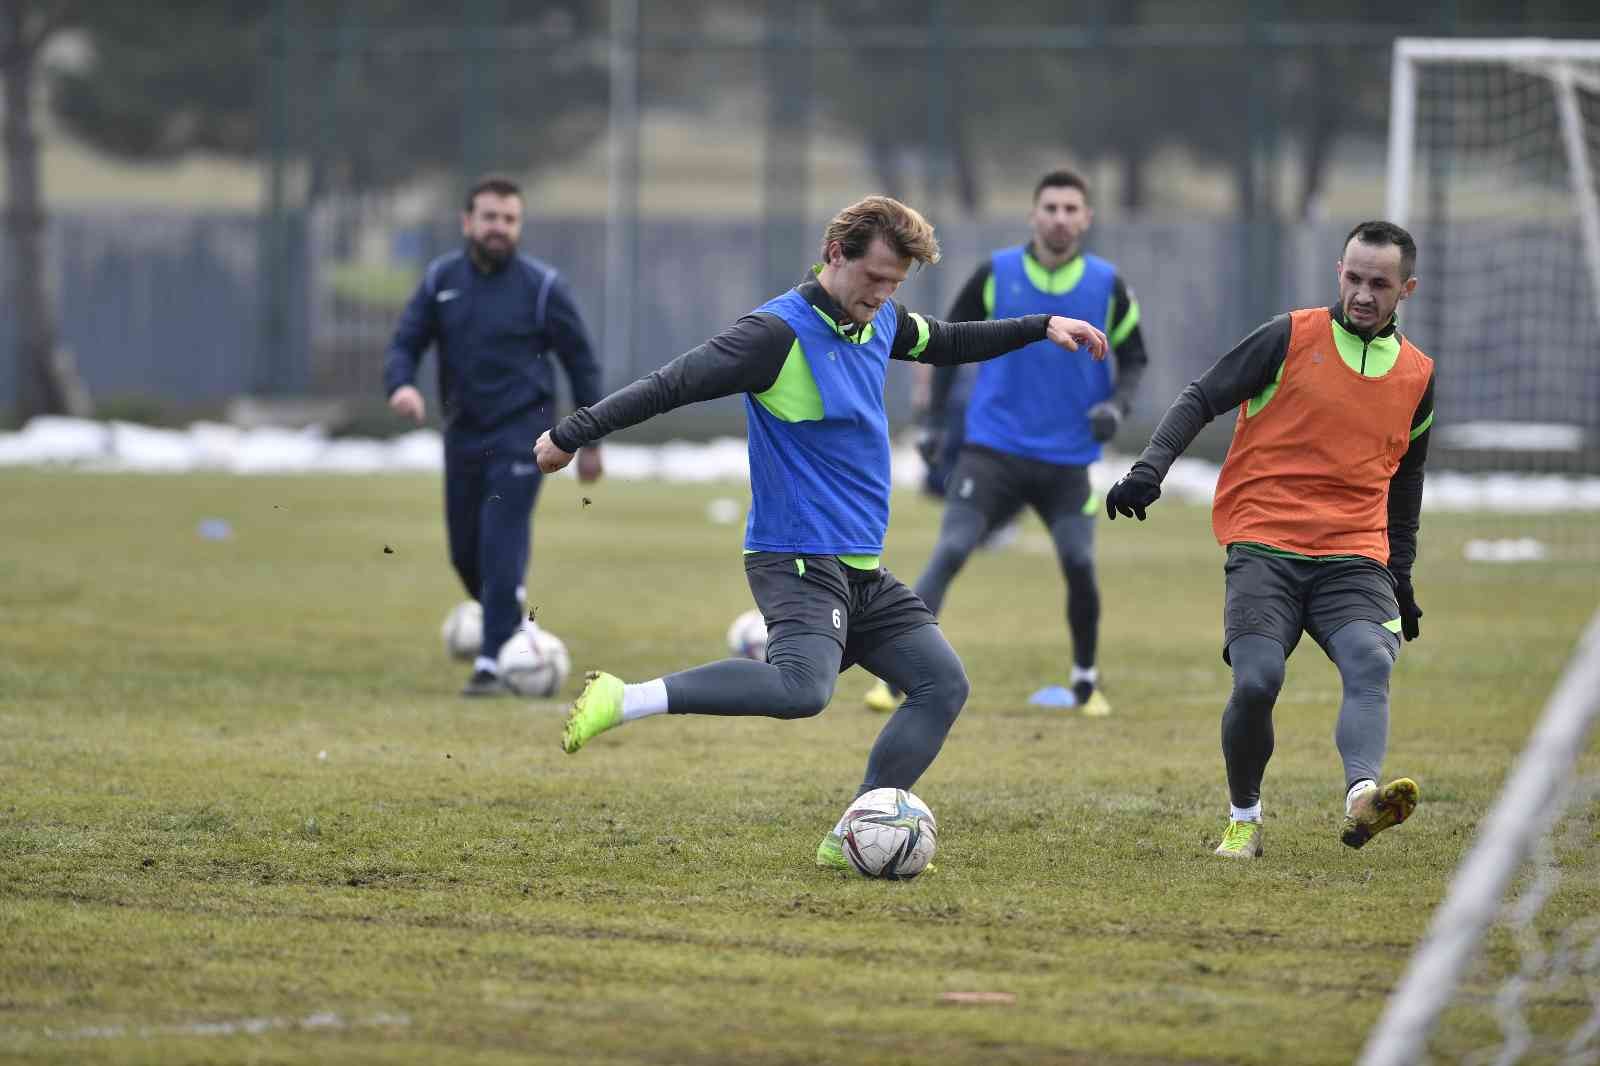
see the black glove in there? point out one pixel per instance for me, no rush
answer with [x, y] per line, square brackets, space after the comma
[1410, 613]
[930, 443]
[1133, 492]
[1104, 418]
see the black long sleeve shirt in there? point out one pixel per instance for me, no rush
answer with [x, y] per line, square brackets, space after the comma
[749, 355]
[971, 306]
[1244, 373]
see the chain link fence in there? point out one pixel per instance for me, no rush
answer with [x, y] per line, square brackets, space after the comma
[680, 167]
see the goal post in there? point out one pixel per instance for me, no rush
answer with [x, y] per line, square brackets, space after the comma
[1569, 66]
[1566, 78]
[1493, 158]
[1533, 799]
[1493, 162]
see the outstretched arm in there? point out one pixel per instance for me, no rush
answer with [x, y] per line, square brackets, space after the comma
[1246, 371]
[1243, 373]
[745, 357]
[936, 343]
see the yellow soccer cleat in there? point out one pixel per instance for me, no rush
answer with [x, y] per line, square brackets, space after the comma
[597, 709]
[881, 700]
[1241, 840]
[1375, 809]
[1096, 706]
[830, 853]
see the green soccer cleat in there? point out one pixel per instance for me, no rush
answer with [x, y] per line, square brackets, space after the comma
[880, 699]
[1241, 840]
[597, 709]
[1375, 809]
[830, 853]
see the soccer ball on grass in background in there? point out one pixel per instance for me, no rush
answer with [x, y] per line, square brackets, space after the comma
[889, 833]
[463, 630]
[747, 636]
[534, 663]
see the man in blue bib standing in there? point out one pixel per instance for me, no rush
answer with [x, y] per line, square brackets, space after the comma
[495, 316]
[811, 364]
[1035, 421]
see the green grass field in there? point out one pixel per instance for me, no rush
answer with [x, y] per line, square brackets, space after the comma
[184, 877]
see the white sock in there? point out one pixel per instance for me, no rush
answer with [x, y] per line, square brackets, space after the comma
[1245, 814]
[483, 662]
[1360, 786]
[644, 699]
[1085, 673]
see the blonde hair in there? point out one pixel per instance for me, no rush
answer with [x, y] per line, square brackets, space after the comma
[904, 228]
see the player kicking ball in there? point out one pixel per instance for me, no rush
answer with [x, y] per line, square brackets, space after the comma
[1317, 505]
[811, 365]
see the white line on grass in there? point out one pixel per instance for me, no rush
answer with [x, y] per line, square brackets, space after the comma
[321, 1021]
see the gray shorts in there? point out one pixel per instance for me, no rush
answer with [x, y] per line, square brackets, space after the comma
[861, 609]
[999, 484]
[1278, 597]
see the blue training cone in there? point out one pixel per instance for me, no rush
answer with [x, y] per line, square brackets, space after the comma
[1053, 696]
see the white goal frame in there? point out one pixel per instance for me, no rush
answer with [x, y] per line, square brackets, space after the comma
[1531, 801]
[1541, 783]
[1550, 59]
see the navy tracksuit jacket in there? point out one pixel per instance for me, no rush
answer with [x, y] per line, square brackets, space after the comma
[494, 334]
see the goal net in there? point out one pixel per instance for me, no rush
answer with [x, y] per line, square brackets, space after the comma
[1509, 971]
[1494, 157]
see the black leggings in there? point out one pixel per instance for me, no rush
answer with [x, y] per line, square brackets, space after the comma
[964, 526]
[1365, 654]
[797, 681]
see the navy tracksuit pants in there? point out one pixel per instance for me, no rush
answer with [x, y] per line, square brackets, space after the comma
[490, 486]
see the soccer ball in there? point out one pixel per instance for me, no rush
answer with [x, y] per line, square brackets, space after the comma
[747, 637]
[889, 833]
[463, 630]
[553, 650]
[534, 663]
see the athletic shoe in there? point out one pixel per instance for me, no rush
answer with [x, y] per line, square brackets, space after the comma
[1241, 840]
[830, 853]
[1095, 705]
[597, 709]
[484, 683]
[1372, 810]
[882, 699]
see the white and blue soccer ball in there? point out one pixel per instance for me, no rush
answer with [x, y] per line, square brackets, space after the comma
[889, 833]
[463, 630]
[534, 663]
[747, 636]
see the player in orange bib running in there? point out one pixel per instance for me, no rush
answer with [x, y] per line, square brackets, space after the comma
[1317, 506]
